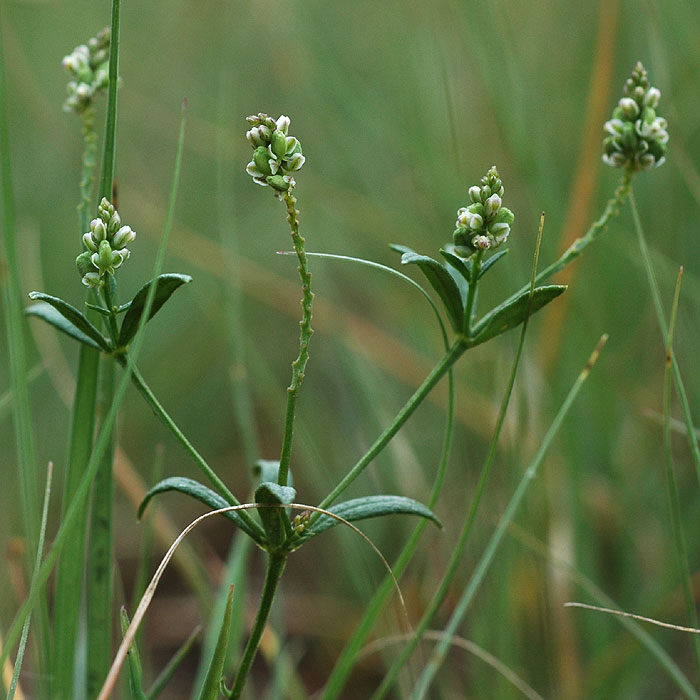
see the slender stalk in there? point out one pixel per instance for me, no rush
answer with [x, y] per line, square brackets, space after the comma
[467, 596]
[471, 294]
[679, 540]
[458, 552]
[275, 566]
[158, 409]
[442, 367]
[110, 304]
[299, 365]
[661, 320]
[88, 168]
[611, 210]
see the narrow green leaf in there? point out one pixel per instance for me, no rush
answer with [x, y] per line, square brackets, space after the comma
[490, 262]
[511, 314]
[462, 265]
[274, 520]
[166, 284]
[441, 281]
[210, 688]
[372, 507]
[76, 319]
[202, 493]
[134, 661]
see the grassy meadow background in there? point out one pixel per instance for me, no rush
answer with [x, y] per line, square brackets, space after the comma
[400, 107]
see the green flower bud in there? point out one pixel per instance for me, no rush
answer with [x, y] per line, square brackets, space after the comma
[630, 109]
[278, 144]
[261, 158]
[278, 182]
[84, 264]
[475, 194]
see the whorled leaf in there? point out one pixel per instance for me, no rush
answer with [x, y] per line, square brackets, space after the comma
[511, 314]
[275, 520]
[441, 281]
[68, 319]
[166, 284]
[371, 507]
[198, 491]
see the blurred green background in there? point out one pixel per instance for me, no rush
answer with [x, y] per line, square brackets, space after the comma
[400, 107]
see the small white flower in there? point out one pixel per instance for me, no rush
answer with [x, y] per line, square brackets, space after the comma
[629, 107]
[283, 123]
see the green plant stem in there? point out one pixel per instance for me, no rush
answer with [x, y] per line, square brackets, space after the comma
[681, 547]
[88, 168]
[458, 552]
[110, 304]
[471, 294]
[449, 358]
[467, 596]
[661, 319]
[275, 566]
[158, 409]
[299, 365]
[100, 569]
[611, 210]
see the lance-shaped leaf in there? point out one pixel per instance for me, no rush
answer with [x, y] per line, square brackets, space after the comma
[202, 493]
[371, 507]
[275, 520]
[490, 262]
[212, 682]
[462, 265]
[166, 284]
[67, 319]
[511, 314]
[441, 281]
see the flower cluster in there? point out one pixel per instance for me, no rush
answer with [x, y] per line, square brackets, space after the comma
[637, 137]
[485, 223]
[88, 67]
[106, 243]
[275, 154]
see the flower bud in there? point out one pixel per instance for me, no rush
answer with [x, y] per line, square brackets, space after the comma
[261, 158]
[123, 237]
[98, 230]
[652, 97]
[282, 124]
[492, 205]
[84, 264]
[278, 182]
[295, 162]
[278, 144]
[475, 194]
[629, 107]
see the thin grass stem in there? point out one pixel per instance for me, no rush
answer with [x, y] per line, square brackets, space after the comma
[482, 568]
[661, 319]
[679, 540]
[458, 552]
